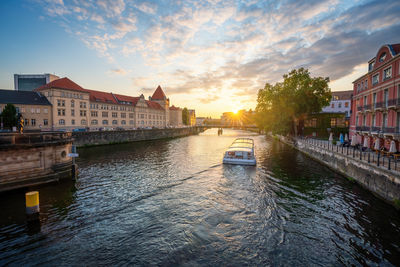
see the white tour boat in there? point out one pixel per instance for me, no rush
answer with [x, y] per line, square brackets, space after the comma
[240, 152]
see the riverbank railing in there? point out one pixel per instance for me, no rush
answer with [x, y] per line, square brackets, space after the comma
[374, 158]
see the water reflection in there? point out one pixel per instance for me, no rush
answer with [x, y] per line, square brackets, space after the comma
[172, 202]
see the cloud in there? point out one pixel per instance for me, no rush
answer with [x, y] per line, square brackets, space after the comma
[234, 46]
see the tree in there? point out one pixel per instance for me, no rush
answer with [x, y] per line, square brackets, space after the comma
[281, 106]
[9, 116]
[185, 116]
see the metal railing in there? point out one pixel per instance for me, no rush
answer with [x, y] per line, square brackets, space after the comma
[7, 139]
[381, 159]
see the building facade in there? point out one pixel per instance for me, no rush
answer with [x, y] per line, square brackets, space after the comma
[340, 103]
[376, 99]
[74, 107]
[29, 82]
[175, 116]
[34, 108]
[192, 117]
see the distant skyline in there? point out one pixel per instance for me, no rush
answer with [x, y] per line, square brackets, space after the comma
[211, 56]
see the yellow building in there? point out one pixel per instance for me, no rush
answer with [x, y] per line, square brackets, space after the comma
[34, 108]
[75, 107]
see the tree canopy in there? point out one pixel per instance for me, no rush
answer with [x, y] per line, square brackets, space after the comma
[185, 116]
[9, 116]
[281, 106]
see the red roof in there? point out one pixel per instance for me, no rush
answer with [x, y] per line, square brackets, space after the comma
[98, 96]
[174, 108]
[396, 48]
[158, 94]
[63, 83]
[125, 98]
[152, 104]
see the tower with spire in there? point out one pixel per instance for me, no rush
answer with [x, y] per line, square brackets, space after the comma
[160, 97]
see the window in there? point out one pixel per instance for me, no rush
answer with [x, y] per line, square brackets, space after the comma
[374, 99]
[131, 122]
[26, 122]
[366, 84]
[131, 114]
[387, 73]
[73, 122]
[93, 113]
[32, 110]
[386, 97]
[373, 120]
[142, 116]
[365, 100]
[82, 104]
[38, 110]
[61, 122]
[382, 57]
[33, 122]
[123, 122]
[114, 122]
[72, 112]
[114, 114]
[356, 120]
[61, 112]
[104, 114]
[83, 122]
[385, 120]
[45, 111]
[375, 79]
[340, 105]
[72, 103]
[333, 122]
[371, 66]
[45, 122]
[346, 104]
[123, 115]
[82, 113]
[105, 122]
[94, 122]
[364, 120]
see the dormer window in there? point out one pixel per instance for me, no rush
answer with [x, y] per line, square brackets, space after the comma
[382, 57]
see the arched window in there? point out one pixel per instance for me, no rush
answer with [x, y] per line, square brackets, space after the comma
[61, 122]
[123, 122]
[105, 122]
[114, 122]
[94, 122]
[83, 122]
[72, 103]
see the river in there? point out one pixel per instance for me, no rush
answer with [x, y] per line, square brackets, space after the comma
[172, 202]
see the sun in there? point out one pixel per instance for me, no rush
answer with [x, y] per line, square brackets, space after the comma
[235, 111]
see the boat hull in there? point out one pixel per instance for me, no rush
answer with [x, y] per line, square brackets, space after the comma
[240, 161]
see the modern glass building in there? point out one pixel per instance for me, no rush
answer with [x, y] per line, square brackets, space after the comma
[28, 82]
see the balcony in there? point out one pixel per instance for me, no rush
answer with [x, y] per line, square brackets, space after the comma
[365, 128]
[394, 103]
[367, 108]
[376, 129]
[358, 128]
[380, 106]
[359, 109]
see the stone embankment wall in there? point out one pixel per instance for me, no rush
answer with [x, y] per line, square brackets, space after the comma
[377, 179]
[114, 137]
[31, 159]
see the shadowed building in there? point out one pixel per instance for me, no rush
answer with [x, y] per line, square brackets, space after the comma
[175, 116]
[34, 108]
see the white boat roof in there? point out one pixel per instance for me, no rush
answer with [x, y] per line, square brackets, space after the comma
[244, 140]
[245, 143]
[240, 149]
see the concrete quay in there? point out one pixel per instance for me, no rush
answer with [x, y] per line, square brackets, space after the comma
[34, 158]
[379, 175]
[82, 139]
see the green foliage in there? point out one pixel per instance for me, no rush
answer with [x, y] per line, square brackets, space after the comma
[396, 203]
[9, 116]
[279, 106]
[185, 116]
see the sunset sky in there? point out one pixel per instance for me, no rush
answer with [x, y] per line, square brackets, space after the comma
[212, 56]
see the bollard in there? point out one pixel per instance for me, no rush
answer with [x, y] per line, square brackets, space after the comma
[389, 164]
[369, 155]
[378, 158]
[32, 205]
[360, 154]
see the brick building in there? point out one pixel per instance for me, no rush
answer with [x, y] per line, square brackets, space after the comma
[376, 99]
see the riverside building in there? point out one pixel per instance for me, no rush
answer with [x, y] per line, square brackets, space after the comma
[376, 99]
[34, 108]
[75, 107]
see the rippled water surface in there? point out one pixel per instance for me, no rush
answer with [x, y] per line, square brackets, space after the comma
[172, 202]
